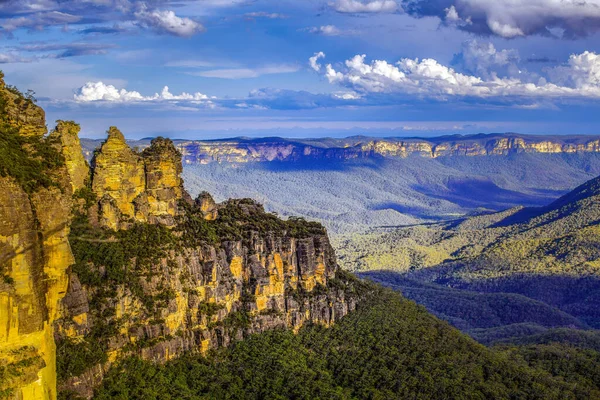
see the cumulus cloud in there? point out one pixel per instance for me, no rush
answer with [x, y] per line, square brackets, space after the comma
[580, 78]
[314, 61]
[165, 21]
[99, 91]
[362, 6]
[513, 18]
[484, 60]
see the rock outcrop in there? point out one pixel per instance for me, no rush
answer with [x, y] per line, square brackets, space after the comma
[136, 187]
[66, 135]
[34, 253]
[244, 272]
[115, 260]
[207, 206]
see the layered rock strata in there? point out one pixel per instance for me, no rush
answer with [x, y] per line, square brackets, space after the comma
[34, 255]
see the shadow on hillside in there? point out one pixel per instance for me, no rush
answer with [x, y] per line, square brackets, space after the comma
[333, 164]
[549, 301]
[417, 212]
[473, 193]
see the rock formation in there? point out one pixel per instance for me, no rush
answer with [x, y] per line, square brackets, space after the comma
[207, 206]
[34, 252]
[66, 134]
[223, 271]
[130, 186]
[114, 260]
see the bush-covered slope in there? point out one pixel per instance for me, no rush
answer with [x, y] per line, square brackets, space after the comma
[389, 348]
[349, 196]
[500, 275]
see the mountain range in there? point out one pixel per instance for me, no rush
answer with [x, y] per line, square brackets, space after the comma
[242, 150]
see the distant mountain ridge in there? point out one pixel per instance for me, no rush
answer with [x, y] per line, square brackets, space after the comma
[243, 150]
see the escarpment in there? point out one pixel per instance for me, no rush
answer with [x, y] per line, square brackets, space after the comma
[242, 150]
[35, 208]
[164, 275]
[113, 259]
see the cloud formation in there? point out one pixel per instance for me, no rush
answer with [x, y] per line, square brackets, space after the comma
[64, 50]
[513, 18]
[99, 91]
[329, 30]
[579, 79]
[365, 6]
[314, 61]
[40, 14]
[263, 14]
[244, 73]
[165, 21]
[483, 60]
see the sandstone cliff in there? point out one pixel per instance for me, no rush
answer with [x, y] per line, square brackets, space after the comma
[219, 273]
[66, 137]
[266, 150]
[114, 259]
[35, 207]
[134, 187]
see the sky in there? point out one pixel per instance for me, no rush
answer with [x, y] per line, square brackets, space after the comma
[200, 69]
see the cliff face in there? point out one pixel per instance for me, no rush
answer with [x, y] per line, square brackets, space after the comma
[266, 150]
[113, 260]
[135, 187]
[219, 273]
[66, 139]
[34, 250]
[172, 275]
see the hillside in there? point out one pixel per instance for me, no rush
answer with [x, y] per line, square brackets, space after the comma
[355, 195]
[388, 349]
[539, 265]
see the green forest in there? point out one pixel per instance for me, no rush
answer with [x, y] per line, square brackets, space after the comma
[390, 348]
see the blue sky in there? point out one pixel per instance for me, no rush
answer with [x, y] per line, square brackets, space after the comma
[308, 68]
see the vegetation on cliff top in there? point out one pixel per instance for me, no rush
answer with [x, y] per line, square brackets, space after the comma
[28, 159]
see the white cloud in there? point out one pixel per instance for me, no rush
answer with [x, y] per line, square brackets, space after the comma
[314, 61]
[582, 71]
[513, 18]
[262, 14]
[329, 30]
[580, 78]
[98, 91]
[369, 6]
[482, 59]
[165, 21]
[243, 73]
[347, 96]
[12, 57]
[38, 20]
